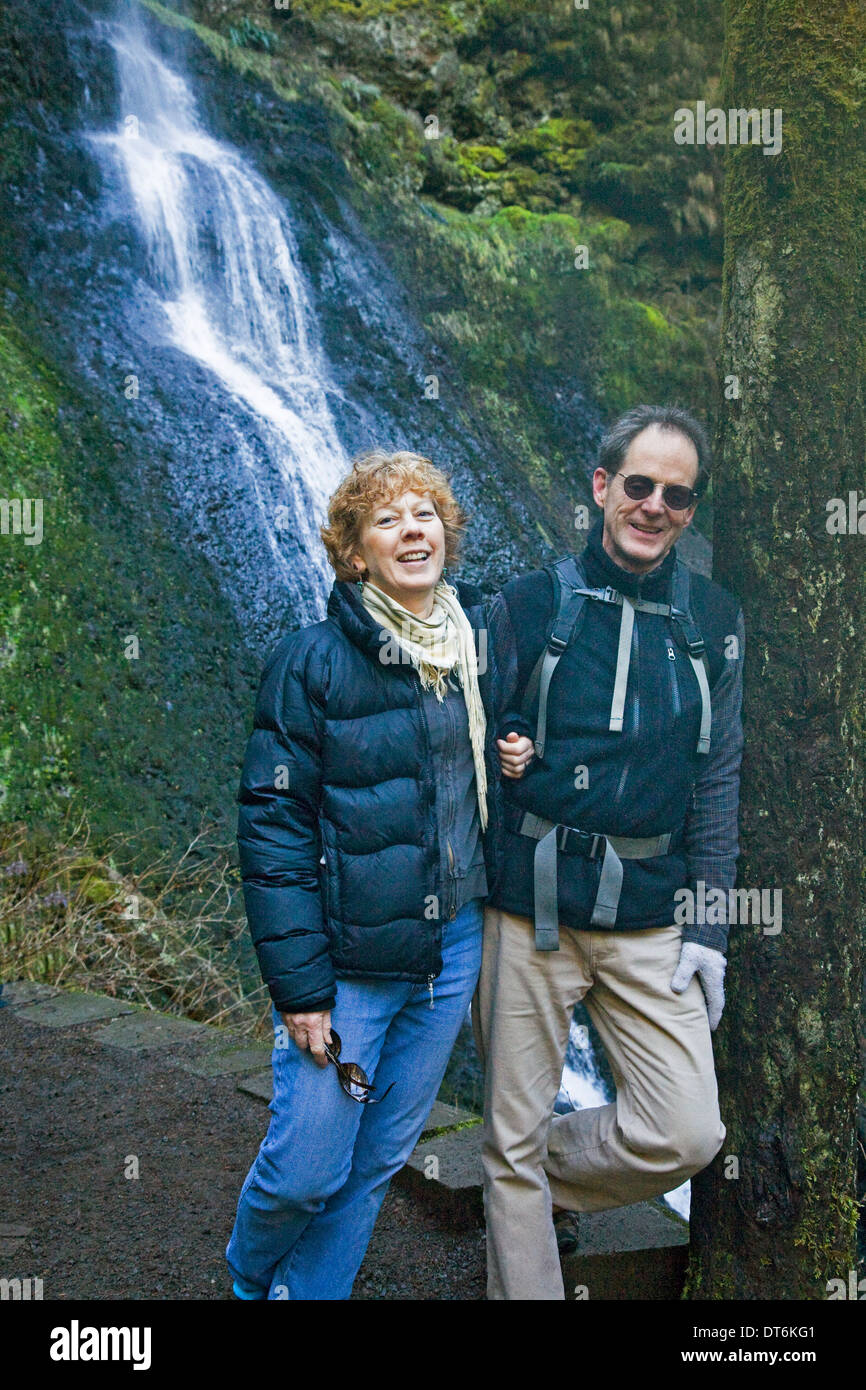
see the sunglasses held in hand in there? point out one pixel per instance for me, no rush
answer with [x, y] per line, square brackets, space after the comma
[353, 1078]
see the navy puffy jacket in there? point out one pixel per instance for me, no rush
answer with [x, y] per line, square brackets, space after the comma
[338, 769]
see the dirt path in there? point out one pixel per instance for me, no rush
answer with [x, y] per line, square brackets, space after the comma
[72, 1114]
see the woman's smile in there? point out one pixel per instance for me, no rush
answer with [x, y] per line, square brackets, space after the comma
[401, 549]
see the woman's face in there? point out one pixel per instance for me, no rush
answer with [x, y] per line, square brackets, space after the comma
[402, 549]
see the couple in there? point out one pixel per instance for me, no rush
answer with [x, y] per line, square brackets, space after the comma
[573, 781]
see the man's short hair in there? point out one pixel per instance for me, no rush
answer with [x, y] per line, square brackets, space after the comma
[616, 440]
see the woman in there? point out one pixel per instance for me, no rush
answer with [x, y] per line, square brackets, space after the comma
[363, 802]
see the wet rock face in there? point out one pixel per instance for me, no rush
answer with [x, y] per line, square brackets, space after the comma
[495, 73]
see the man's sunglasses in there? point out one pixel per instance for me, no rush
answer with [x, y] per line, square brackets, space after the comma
[353, 1078]
[674, 495]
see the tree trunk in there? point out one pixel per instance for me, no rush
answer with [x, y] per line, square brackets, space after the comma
[774, 1216]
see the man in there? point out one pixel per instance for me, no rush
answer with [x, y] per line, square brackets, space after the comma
[618, 721]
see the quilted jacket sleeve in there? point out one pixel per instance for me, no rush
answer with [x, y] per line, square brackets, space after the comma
[278, 832]
[507, 717]
[711, 826]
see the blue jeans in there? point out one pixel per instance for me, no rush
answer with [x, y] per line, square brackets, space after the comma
[310, 1201]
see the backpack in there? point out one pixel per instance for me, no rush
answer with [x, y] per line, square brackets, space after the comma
[570, 588]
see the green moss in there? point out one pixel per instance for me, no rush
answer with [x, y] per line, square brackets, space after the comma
[557, 145]
[482, 159]
[827, 1229]
[359, 11]
[249, 34]
[142, 746]
[97, 891]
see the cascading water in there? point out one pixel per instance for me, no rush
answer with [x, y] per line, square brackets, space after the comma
[223, 263]
[582, 1084]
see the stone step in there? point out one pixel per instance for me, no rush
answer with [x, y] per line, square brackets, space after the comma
[637, 1252]
[444, 1172]
[221, 1060]
[648, 1275]
[146, 1030]
[14, 993]
[639, 1226]
[219, 1052]
[261, 1085]
[444, 1116]
[70, 1007]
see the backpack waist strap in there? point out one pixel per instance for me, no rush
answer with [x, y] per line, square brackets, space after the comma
[555, 838]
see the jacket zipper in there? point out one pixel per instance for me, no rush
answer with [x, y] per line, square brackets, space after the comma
[452, 887]
[672, 666]
[451, 753]
[420, 706]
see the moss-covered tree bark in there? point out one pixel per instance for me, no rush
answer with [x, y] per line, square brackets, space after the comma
[779, 1221]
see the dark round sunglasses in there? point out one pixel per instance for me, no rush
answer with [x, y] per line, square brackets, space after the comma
[352, 1078]
[675, 495]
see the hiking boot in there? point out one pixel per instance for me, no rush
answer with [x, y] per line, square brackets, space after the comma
[566, 1225]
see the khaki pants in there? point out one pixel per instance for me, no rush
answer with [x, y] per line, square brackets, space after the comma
[663, 1127]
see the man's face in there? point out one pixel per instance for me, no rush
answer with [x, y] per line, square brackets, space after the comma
[638, 535]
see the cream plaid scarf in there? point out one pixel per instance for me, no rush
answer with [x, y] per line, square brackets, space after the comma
[435, 646]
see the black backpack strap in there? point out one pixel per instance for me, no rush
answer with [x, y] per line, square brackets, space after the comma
[569, 587]
[693, 642]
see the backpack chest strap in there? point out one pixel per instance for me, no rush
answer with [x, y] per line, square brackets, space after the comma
[695, 647]
[572, 597]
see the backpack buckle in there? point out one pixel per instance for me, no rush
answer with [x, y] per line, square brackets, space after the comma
[571, 840]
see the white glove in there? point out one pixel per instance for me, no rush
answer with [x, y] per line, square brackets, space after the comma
[709, 965]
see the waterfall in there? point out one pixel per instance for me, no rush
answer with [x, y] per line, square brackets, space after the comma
[582, 1084]
[223, 264]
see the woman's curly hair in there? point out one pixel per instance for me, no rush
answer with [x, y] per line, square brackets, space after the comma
[376, 478]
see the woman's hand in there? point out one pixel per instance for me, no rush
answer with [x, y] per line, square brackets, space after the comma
[310, 1031]
[515, 753]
